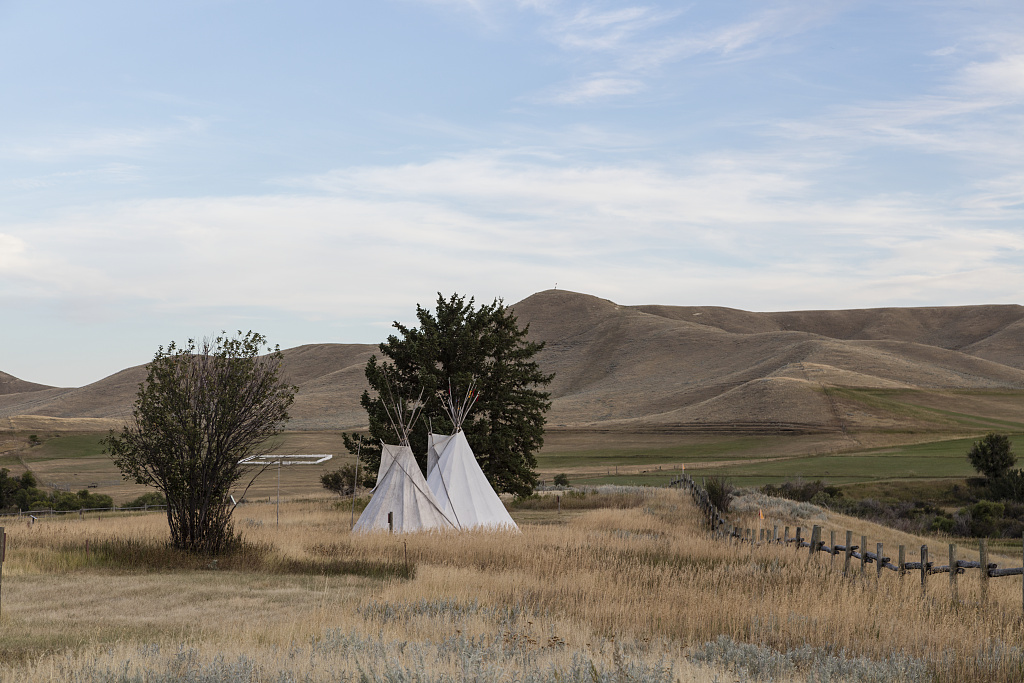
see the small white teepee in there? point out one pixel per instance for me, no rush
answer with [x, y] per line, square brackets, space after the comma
[457, 481]
[404, 493]
[401, 488]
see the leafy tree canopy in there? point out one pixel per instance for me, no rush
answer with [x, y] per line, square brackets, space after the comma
[201, 409]
[992, 456]
[22, 493]
[456, 345]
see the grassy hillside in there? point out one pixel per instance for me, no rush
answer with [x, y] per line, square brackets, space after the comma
[698, 369]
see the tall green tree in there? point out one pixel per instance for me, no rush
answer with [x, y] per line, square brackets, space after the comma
[453, 346]
[201, 409]
[992, 456]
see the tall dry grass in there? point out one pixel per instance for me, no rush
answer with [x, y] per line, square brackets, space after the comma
[639, 592]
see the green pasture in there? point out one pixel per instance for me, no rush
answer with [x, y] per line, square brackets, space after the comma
[65, 446]
[937, 460]
[689, 449]
[748, 460]
[910, 404]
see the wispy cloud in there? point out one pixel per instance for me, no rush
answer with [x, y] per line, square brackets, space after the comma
[111, 142]
[976, 113]
[745, 230]
[597, 86]
[634, 43]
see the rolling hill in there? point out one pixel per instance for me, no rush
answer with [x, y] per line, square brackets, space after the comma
[679, 368]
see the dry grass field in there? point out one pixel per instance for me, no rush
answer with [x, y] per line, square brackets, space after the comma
[633, 591]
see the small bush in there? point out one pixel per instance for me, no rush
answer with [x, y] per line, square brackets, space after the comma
[720, 491]
[561, 480]
[817, 492]
[151, 498]
[341, 480]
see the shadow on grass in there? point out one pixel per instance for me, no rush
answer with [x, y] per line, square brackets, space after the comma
[137, 555]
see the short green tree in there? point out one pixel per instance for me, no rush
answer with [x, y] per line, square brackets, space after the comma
[561, 480]
[342, 480]
[201, 409]
[457, 345]
[992, 456]
[150, 498]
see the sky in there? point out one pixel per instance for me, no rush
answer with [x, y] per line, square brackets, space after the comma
[314, 169]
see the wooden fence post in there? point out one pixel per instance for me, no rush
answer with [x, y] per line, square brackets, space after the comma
[832, 545]
[775, 534]
[863, 555]
[798, 539]
[878, 560]
[815, 537]
[785, 537]
[902, 562]
[3, 551]
[983, 551]
[952, 573]
[849, 552]
[924, 568]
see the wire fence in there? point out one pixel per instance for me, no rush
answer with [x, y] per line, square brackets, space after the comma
[81, 512]
[849, 551]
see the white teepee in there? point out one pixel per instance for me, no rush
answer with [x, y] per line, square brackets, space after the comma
[435, 446]
[404, 493]
[457, 481]
[401, 489]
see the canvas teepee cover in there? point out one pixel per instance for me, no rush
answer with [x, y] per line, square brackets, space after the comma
[435, 446]
[403, 491]
[463, 491]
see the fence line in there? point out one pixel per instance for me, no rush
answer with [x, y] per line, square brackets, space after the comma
[720, 527]
[80, 512]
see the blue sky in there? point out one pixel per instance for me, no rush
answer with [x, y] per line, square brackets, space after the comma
[312, 170]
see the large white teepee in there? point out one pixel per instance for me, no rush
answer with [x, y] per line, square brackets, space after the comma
[457, 481]
[463, 491]
[401, 489]
[435, 446]
[404, 492]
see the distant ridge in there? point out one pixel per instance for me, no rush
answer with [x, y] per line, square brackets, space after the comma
[683, 368]
[9, 384]
[720, 369]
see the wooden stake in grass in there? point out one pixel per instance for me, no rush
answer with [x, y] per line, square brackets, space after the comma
[924, 568]
[902, 562]
[983, 551]
[832, 546]
[849, 553]
[863, 555]
[3, 551]
[952, 573]
[879, 560]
